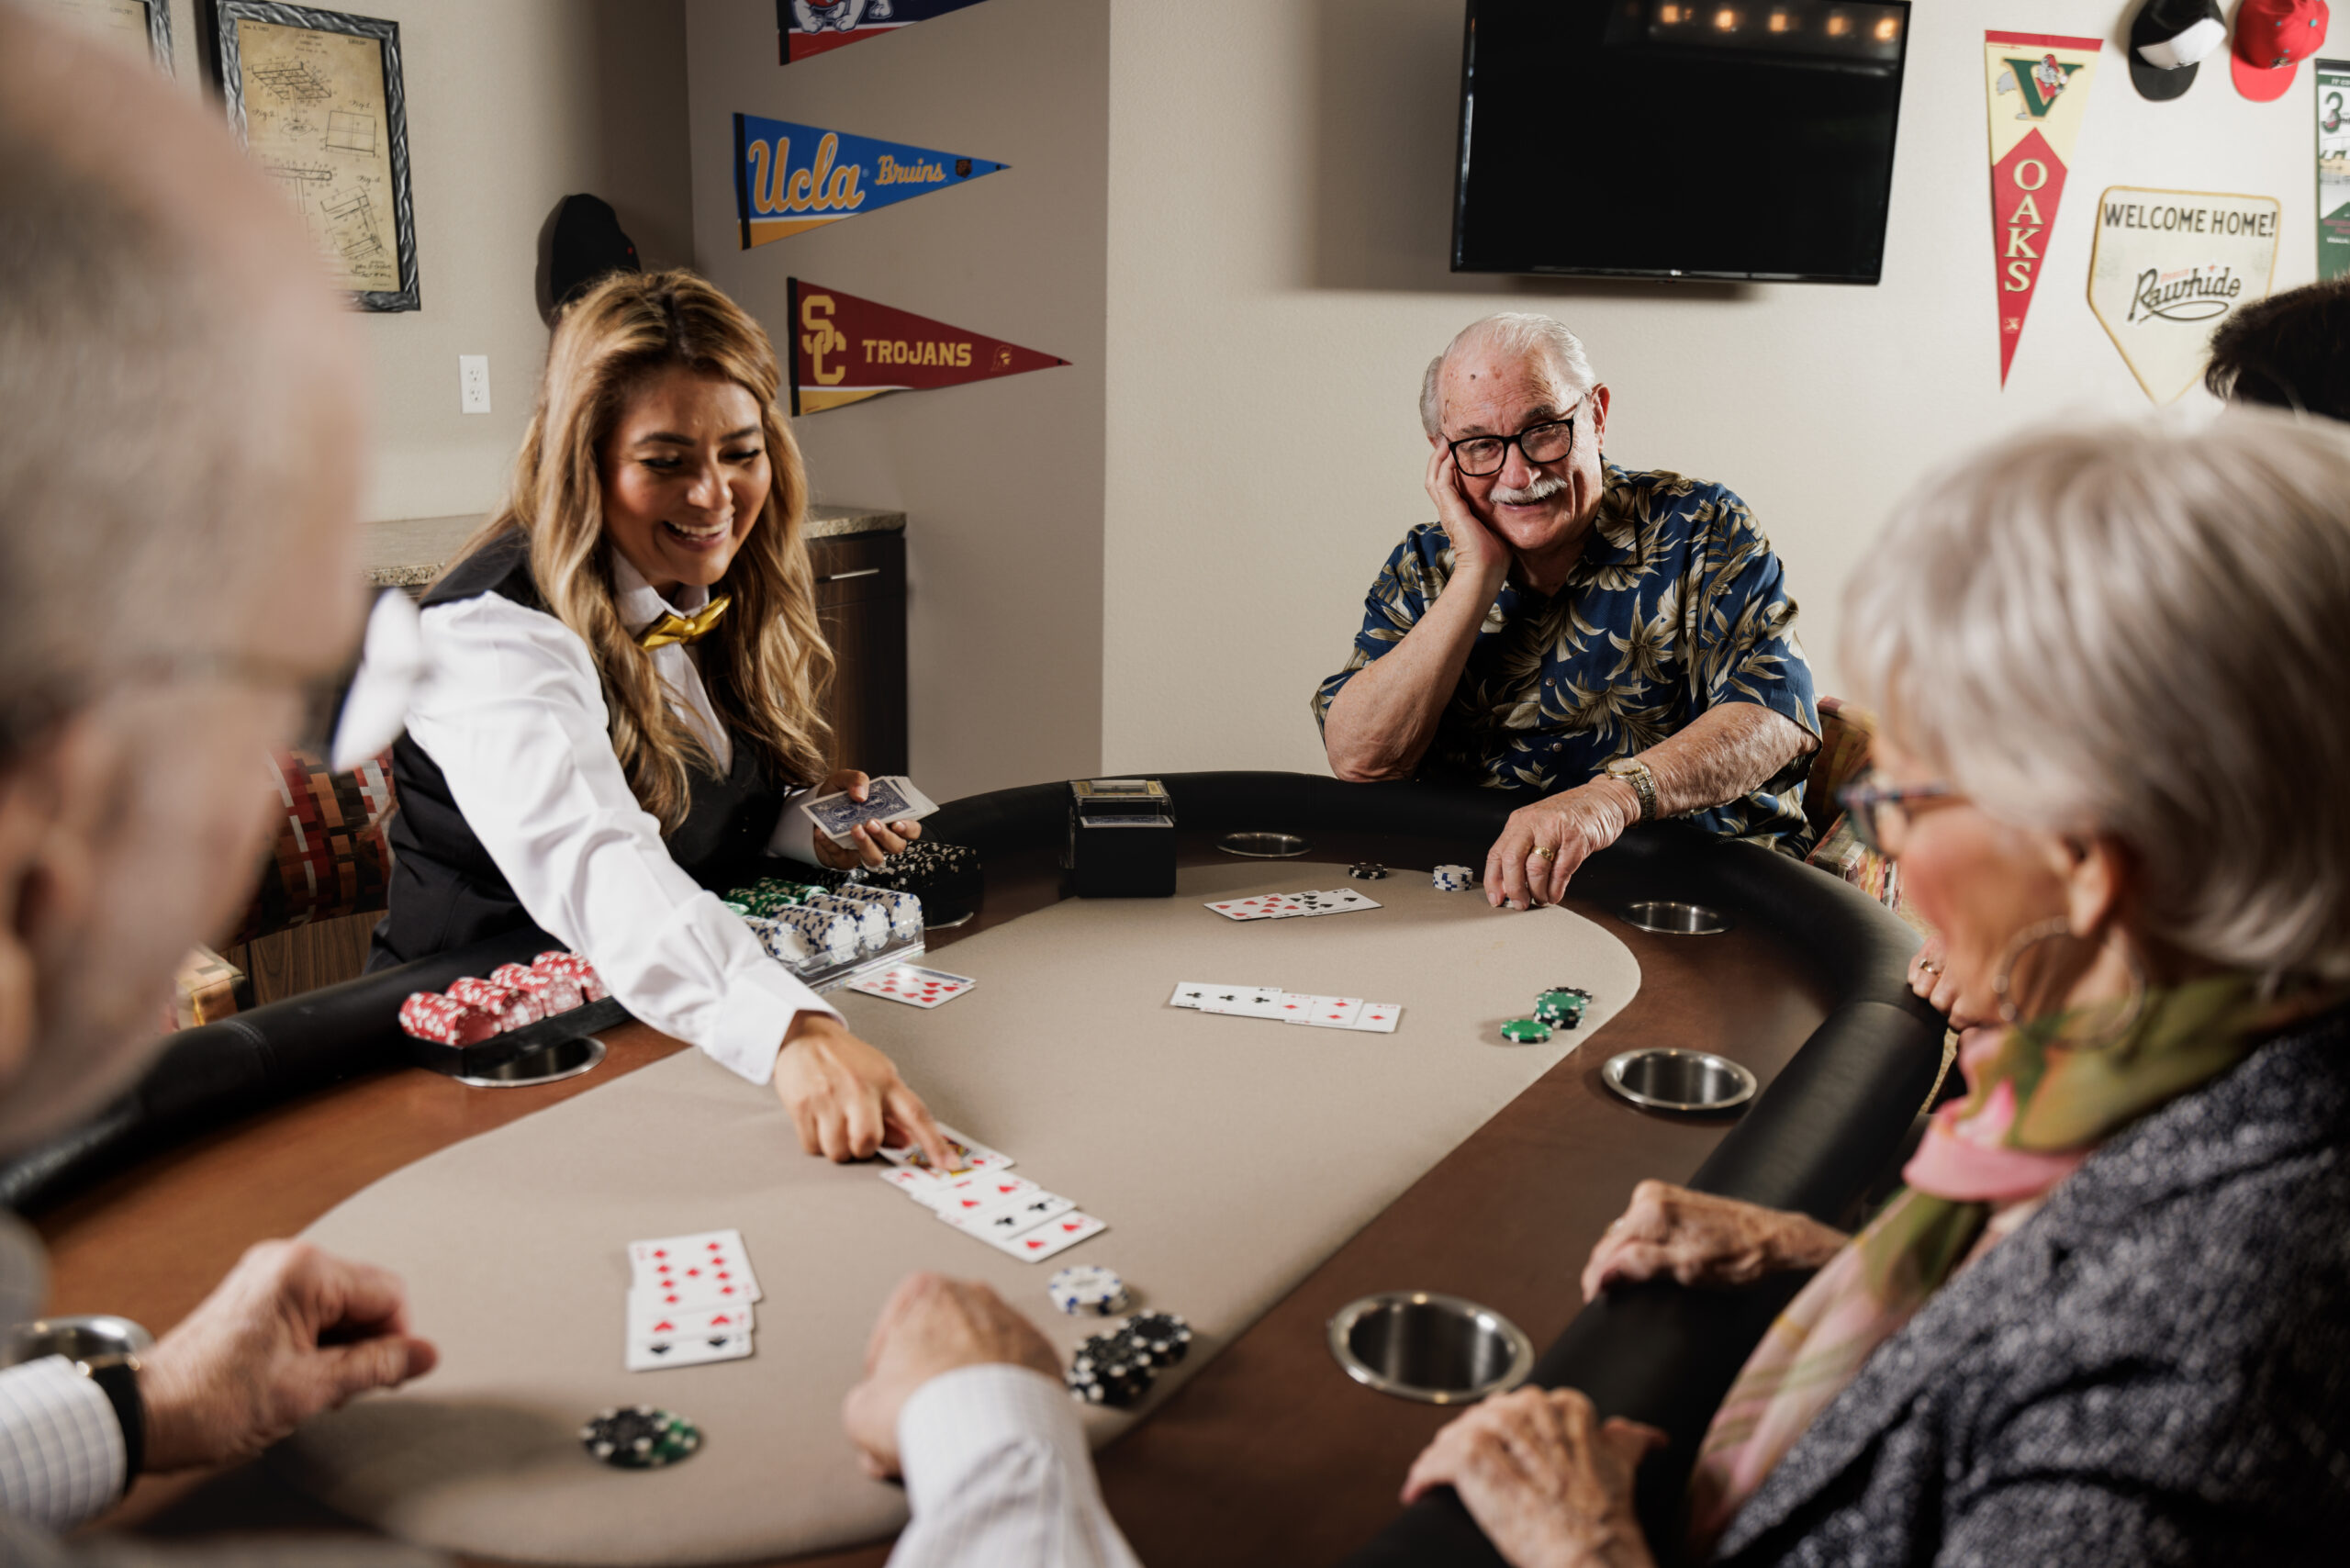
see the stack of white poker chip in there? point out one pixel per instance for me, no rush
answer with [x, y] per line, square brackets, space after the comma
[831, 935]
[903, 911]
[1454, 878]
[784, 945]
[1088, 1288]
[870, 922]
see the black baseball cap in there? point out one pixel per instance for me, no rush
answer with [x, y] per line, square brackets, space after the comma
[2167, 39]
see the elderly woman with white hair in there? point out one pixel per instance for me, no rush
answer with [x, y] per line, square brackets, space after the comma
[2107, 1320]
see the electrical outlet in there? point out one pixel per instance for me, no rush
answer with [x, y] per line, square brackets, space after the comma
[473, 382]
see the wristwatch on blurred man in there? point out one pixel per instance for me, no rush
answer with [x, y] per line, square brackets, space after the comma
[1633, 771]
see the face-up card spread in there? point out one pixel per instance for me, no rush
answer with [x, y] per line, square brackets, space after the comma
[1054, 1236]
[1337, 901]
[707, 1269]
[1243, 1001]
[969, 1155]
[1264, 906]
[889, 799]
[1322, 1012]
[976, 1192]
[1014, 1216]
[913, 985]
[687, 1338]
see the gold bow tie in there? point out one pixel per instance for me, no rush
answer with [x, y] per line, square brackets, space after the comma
[684, 628]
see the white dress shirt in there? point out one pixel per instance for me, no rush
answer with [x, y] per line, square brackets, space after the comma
[514, 716]
[998, 1476]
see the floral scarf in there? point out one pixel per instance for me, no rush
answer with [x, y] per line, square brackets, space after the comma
[2041, 1098]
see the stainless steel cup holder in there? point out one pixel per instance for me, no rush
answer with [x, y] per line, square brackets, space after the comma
[86, 1338]
[1662, 1080]
[1671, 919]
[1438, 1349]
[551, 1063]
[1263, 845]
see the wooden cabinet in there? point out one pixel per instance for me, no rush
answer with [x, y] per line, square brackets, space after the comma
[861, 601]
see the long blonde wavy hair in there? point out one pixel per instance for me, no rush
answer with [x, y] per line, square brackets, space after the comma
[766, 664]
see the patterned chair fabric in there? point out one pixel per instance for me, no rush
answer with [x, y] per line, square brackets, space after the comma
[331, 857]
[1846, 734]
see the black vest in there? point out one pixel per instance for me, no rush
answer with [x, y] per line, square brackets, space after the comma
[447, 892]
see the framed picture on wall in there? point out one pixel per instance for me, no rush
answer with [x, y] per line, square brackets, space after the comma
[318, 97]
[144, 26]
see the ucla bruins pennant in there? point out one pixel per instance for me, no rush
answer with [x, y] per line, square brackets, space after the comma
[812, 27]
[2039, 89]
[789, 178]
[846, 350]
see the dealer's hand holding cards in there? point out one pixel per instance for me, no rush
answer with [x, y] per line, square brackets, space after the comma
[862, 820]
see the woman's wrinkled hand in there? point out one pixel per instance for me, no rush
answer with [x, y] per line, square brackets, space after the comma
[1549, 1482]
[1696, 1238]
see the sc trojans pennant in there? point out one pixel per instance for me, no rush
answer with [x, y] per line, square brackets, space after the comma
[846, 350]
[2039, 89]
[812, 27]
[789, 177]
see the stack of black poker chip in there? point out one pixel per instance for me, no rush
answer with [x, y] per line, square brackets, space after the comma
[1109, 1370]
[1162, 1339]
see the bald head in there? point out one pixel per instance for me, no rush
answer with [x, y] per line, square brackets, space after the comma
[181, 429]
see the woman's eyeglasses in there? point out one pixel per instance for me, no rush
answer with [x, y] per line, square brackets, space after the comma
[1879, 813]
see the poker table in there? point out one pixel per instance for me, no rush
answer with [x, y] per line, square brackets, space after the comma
[1267, 1452]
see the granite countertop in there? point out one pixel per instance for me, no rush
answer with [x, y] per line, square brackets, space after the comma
[409, 552]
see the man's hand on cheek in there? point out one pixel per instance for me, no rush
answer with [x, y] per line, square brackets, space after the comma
[932, 1324]
[291, 1332]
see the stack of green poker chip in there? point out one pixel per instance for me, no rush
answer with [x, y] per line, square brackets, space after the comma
[767, 896]
[1525, 1031]
[639, 1437]
[1562, 1007]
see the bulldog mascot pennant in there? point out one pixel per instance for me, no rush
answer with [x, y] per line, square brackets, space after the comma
[812, 27]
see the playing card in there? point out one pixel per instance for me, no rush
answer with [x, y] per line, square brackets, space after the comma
[1264, 906]
[913, 985]
[686, 1339]
[647, 1319]
[1334, 900]
[1321, 1011]
[920, 1185]
[709, 1268]
[979, 1190]
[889, 799]
[1188, 993]
[969, 1155]
[1378, 1018]
[1053, 1235]
[1017, 1216]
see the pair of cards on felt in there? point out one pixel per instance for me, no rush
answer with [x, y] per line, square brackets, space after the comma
[983, 1198]
[1288, 1007]
[689, 1300]
[1292, 906]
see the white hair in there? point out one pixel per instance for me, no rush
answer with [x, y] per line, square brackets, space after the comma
[1519, 334]
[2137, 630]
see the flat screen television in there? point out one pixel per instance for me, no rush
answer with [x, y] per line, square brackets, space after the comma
[1724, 139]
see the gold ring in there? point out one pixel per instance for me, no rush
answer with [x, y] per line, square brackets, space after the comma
[1544, 852]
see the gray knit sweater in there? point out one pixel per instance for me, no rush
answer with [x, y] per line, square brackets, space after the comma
[2155, 1369]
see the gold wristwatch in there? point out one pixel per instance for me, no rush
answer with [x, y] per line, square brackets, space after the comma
[1633, 771]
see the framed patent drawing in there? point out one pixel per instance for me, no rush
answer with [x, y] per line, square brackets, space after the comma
[318, 98]
[143, 27]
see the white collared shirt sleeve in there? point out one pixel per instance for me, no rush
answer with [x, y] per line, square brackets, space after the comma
[61, 1454]
[515, 717]
[998, 1476]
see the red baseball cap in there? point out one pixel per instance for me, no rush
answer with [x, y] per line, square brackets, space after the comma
[2273, 37]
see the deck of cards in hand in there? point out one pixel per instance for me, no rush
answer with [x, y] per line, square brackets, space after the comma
[982, 1198]
[889, 799]
[689, 1300]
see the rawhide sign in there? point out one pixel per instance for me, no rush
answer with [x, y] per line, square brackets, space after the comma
[2168, 267]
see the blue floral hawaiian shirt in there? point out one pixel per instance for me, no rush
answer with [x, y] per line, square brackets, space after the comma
[1677, 606]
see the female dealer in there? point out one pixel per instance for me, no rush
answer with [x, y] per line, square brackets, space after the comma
[626, 666]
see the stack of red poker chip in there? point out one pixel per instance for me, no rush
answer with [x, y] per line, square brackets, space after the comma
[558, 984]
[429, 1016]
[539, 985]
[591, 985]
[512, 1008]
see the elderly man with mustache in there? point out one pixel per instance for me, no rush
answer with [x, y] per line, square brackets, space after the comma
[1619, 642]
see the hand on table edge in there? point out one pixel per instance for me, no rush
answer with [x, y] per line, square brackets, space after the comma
[1576, 823]
[1697, 1238]
[845, 1098]
[930, 1325]
[869, 842]
[1549, 1482]
[290, 1332]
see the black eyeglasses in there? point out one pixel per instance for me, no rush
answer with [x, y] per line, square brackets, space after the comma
[1866, 803]
[1480, 456]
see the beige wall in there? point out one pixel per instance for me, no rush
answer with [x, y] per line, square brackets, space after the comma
[1279, 224]
[1001, 481]
[512, 105]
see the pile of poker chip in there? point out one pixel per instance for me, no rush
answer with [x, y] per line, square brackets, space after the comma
[475, 1007]
[803, 925]
[1088, 1288]
[1117, 1369]
[1453, 879]
[1559, 1007]
[639, 1437]
[1366, 871]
